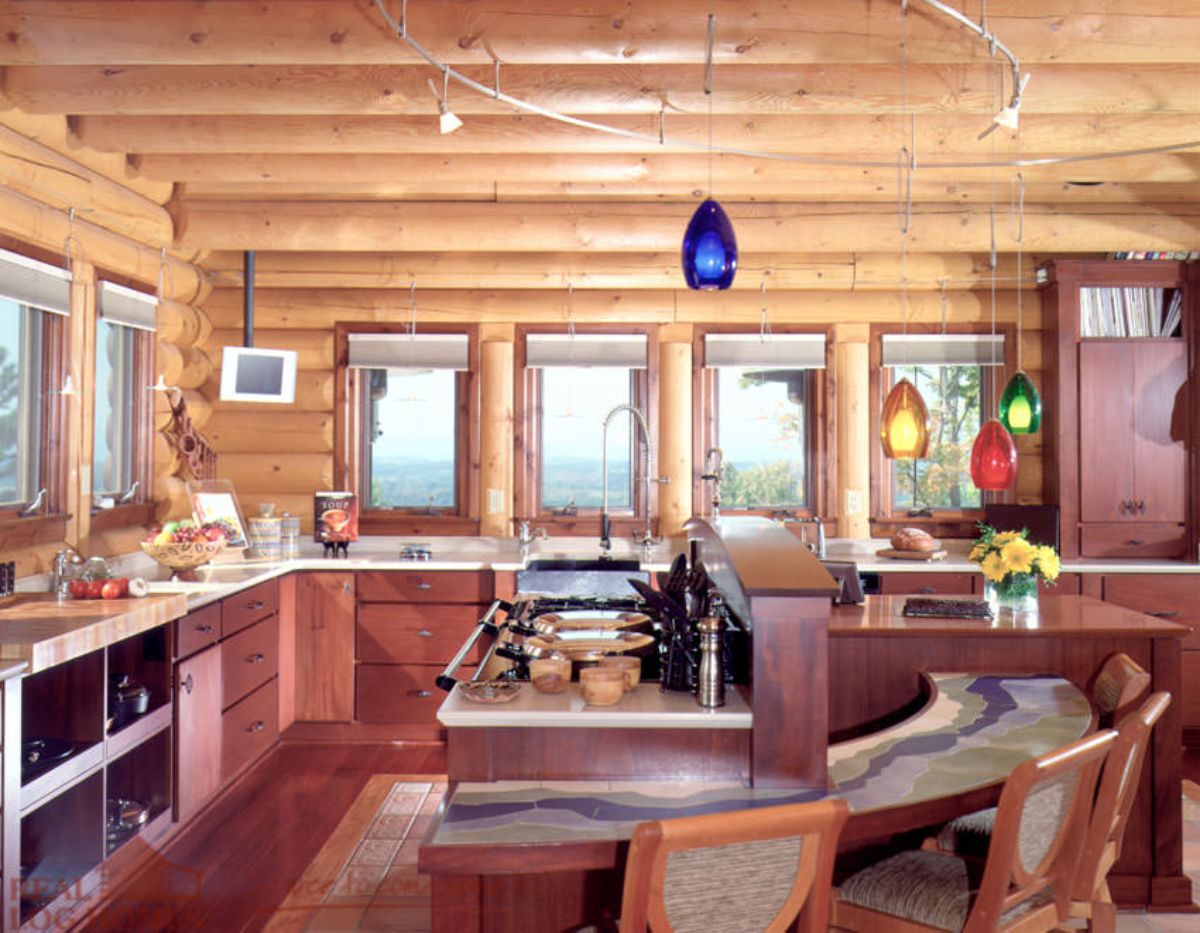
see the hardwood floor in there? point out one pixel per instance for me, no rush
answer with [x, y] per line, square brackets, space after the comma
[232, 868]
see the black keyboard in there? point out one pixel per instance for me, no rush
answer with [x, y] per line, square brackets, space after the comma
[923, 608]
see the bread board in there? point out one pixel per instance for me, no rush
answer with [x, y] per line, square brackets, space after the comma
[926, 556]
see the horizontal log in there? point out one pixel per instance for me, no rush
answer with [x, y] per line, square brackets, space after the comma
[47, 176]
[314, 392]
[783, 271]
[197, 367]
[36, 223]
[807, 228]
[169, 362]
[471, 173]
[302, 319]
[314, 349]
[178, 324]
[593, 88]
[236, 431]
[260, 476]
[878, 136]
[315, 32]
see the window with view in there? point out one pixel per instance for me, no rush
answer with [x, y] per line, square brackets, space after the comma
[410, 442]
[116, 398]
[22, 401]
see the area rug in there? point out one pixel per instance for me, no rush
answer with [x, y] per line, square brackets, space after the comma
[365, 876]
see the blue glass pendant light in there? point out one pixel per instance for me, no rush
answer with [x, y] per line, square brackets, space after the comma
[709, 248]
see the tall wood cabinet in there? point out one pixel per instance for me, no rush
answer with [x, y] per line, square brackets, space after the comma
[1119, 428]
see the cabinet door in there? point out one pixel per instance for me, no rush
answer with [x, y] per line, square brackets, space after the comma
[325, 647]
[1160, 431]
[1106, 484]
[927, 583]
[197, 731]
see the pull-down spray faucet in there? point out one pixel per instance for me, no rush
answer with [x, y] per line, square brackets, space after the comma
[605, 535]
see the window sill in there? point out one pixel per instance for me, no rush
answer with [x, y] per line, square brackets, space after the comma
[22, 533]
[380, 522]
[940, 525]
[122, 516]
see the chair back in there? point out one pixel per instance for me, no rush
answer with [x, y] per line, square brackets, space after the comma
[1040, 821]
[1118, 687]
[744, 870]
[1114, 799]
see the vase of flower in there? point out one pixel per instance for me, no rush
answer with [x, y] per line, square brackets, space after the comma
[1012, 567]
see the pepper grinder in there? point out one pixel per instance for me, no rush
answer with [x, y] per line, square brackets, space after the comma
[710, 683]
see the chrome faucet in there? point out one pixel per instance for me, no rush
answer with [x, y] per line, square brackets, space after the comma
[60, 577]
[647, 538]
[784, 517]
[526, 537]
[714, 472]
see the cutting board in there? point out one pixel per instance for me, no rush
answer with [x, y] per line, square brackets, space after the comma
[926, 556]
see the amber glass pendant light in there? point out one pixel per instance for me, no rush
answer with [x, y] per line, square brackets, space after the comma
[709, 255]
[1020, 405]
[903, 423]
[993, 457]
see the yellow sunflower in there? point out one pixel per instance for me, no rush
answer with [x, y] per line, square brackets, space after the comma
[977, 553]
[1002, 538]
[1018, 555]
[994, 567]
[1047, 562]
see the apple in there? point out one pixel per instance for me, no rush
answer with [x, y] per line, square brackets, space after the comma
[95, 588]
[163, 537]
[78, 589]
[111, 589]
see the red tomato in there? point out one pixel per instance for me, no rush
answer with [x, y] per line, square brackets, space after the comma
[111, 589]
[78, 589]
[123, 583]
[95, 588]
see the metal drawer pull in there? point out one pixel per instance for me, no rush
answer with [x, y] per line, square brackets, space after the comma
[420, 694]
[1124, 506]
[257, 604]
[257, 726]
[424, 586]
[255, 659]
[425, 633]
[204, 628]
[1164, 613]
[926, 589]
[1135, 542]
[1141, 505]
[188, 684]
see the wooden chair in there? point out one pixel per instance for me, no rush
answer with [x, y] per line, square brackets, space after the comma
[747, 870]
[1090, 897]
[1025, 883]
[1116, 689]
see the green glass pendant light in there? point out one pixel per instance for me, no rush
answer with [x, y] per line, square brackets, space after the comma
[1020, 405]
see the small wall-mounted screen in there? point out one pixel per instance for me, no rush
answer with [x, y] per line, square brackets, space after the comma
[249, 374]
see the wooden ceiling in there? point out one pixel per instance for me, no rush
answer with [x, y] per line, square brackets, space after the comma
[306, 130]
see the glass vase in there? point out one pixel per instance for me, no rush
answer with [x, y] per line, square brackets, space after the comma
[1015, 594]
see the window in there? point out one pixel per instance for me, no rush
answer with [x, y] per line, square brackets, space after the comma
[408, 404]
[954, 372]
[571, 385]
[761, 409]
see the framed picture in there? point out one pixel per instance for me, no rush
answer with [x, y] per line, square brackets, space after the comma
[215, 501]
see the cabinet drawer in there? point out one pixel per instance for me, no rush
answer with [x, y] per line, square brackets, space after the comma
[404, 694]
[249, 728]
[923, 584]
[1175, 597]
[420, 633]
[248, 607]
[197, 630]
[248, 659]
[1122, 539]
[432, 586]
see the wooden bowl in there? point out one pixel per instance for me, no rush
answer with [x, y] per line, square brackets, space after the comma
[185, 556]
[601, 686]
[550, 675]
[630, 668]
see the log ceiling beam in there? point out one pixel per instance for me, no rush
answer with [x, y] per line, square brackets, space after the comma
[549, 32]
[639, 227]
[595, 89]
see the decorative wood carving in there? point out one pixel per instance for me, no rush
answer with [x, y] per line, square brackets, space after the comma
[196, 458]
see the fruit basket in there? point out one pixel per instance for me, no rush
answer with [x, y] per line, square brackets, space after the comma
[184, 555]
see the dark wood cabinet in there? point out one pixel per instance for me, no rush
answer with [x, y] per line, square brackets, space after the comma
[929, 583]
[325, 609]
[198, 694]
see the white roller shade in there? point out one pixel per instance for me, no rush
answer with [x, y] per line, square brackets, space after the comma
[120, 305]
[402, 351]
[775, 351]
[943, 349]
[30, 282]
[619, 351]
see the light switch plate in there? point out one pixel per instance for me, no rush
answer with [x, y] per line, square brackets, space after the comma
[853, 502]
[495, 500]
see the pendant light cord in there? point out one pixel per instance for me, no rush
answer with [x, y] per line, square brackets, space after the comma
[708, 85]
[1017, 191]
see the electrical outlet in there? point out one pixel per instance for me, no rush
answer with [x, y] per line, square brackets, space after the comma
[853, 502]
[495, 500]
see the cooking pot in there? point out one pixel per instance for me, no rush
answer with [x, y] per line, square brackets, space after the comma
[126, 699]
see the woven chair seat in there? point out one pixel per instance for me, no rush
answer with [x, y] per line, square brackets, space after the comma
[968, 835]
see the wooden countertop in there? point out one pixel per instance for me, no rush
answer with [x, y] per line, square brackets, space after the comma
[1059, 616]
[42, 630]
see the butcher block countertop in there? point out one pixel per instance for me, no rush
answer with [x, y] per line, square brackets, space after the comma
[42, 630]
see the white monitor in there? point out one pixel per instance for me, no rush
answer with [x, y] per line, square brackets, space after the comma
[249, 374]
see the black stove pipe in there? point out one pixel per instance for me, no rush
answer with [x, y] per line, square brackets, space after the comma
[248, 298]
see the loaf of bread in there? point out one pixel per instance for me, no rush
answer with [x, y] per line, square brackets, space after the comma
[914, 539]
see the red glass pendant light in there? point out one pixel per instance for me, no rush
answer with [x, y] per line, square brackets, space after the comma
[903, 423]
[993, 457]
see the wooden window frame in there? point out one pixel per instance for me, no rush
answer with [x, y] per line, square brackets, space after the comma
[822, 428]
[959, 523]
[464, 519]
[527, 434]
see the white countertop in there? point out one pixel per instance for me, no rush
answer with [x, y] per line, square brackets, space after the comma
[646, 707]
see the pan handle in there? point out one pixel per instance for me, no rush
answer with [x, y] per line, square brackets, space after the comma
[485, 626]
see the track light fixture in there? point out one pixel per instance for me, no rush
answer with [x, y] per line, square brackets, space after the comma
[448, 120]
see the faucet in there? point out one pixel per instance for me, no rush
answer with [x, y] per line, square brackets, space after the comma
[647, 538]
[525, 537]
[60, 577]
[714, 472]
[785, 517]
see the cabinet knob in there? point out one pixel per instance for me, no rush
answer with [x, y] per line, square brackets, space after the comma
[1135, 542]
[1141, 505]
[1123, 507]
[188, 684]
[204, 628]
[1163, 613]
[424, 586]
[257, 726]
[346, 587]
[255, 659]
[420, 694]
[424, 633]
[257, 604]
